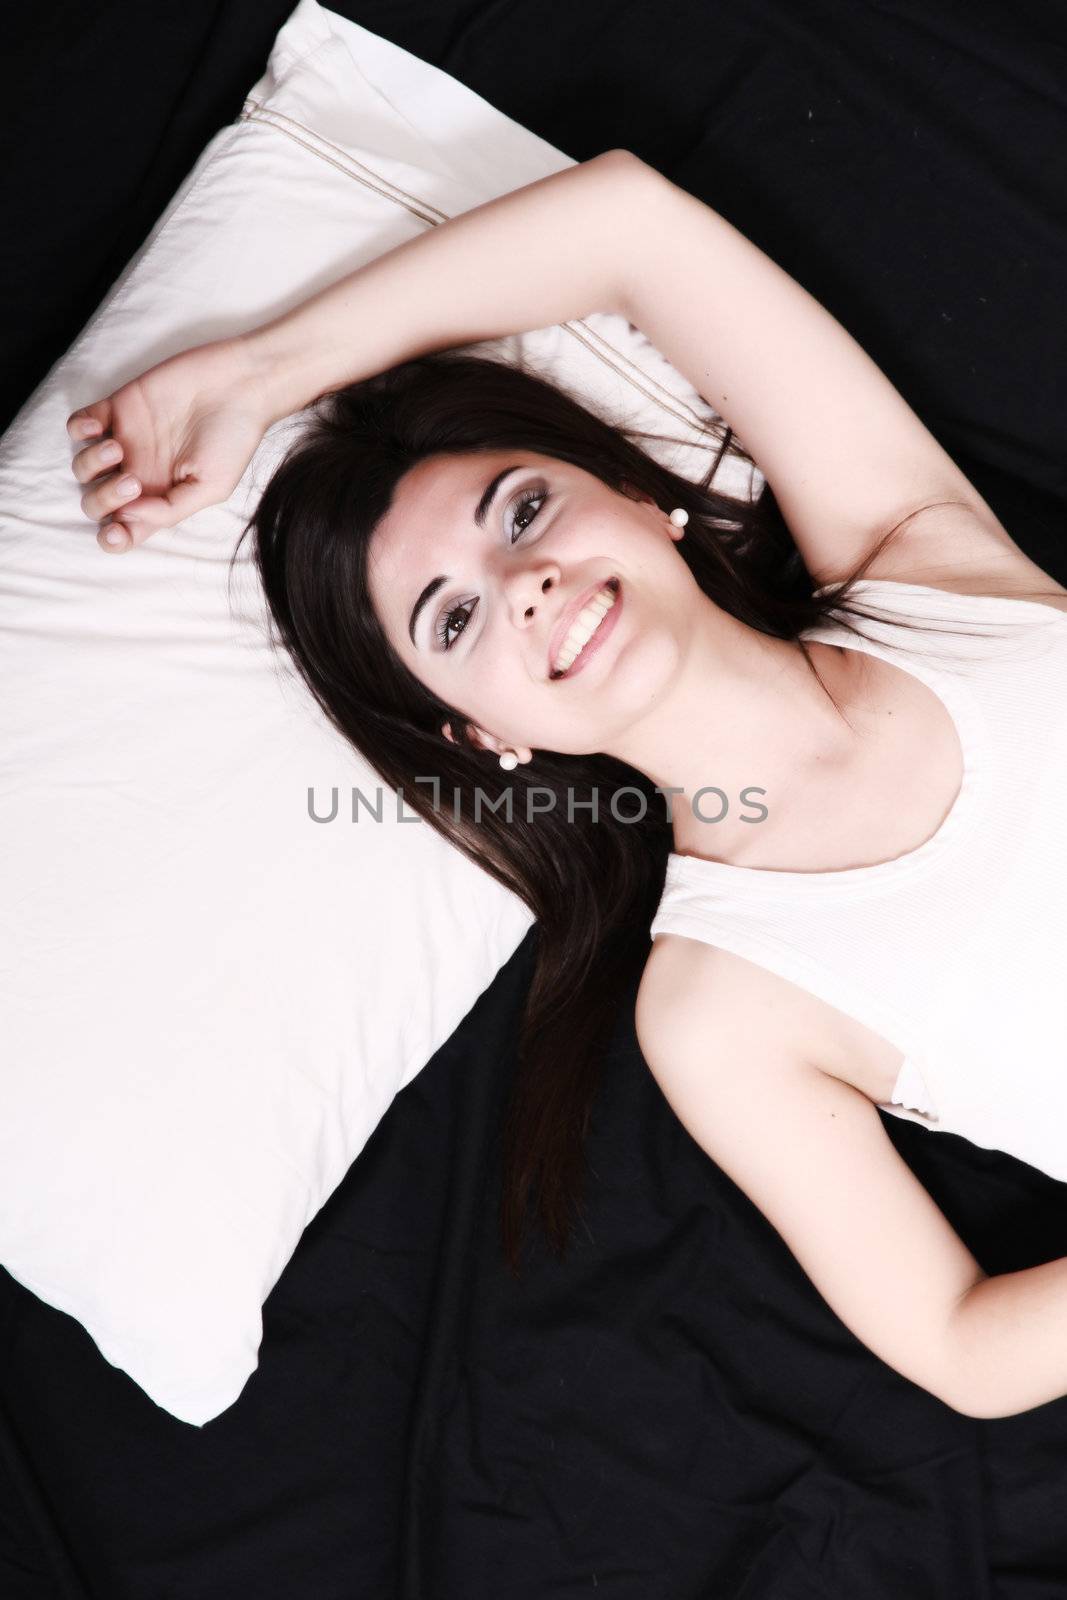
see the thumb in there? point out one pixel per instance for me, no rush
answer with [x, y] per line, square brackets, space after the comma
[139, 519]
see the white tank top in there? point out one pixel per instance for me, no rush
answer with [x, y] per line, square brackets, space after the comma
[956, 952]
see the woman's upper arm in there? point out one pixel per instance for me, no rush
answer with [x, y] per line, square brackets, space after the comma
[811, 1152]
[845, 454]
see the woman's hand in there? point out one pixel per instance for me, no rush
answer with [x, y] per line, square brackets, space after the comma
[184, 432]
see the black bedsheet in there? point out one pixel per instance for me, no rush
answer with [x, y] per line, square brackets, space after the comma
[673, 1412]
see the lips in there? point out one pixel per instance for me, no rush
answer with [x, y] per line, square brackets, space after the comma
[573, 611]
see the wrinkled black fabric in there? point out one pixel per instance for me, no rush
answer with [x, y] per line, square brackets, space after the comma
[673, 1413]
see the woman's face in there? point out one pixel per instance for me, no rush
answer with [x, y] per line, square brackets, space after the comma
[494, 570]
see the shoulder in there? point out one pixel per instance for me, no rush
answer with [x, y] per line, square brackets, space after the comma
[698, 1002]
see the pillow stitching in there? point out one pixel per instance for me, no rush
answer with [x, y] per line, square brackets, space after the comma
[269, 121]
[266, 113]
[692, 421]
[697, 421]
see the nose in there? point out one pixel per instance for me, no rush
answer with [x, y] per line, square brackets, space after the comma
[528, 588]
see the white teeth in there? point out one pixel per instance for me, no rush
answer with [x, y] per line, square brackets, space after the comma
[583, 628]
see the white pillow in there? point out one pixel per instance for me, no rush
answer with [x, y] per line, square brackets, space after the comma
[209, 999]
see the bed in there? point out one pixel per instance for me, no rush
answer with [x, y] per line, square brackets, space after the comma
[673, 1411]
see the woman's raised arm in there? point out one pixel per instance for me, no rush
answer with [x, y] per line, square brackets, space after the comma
[845, 455]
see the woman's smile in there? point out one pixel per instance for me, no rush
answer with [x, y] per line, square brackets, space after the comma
[574, 635]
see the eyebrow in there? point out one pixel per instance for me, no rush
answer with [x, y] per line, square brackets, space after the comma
[481, 511]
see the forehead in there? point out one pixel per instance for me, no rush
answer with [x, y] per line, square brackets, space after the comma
[430, 521]
[437, 497]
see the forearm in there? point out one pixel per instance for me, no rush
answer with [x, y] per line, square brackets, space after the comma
[1011, 1339]
[547, 253]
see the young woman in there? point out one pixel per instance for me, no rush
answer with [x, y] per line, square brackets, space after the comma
[482, 582]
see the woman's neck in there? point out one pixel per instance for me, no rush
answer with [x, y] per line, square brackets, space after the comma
[746, 713]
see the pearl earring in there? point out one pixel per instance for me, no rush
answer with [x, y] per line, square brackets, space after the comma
[509, 761]
[679, 516]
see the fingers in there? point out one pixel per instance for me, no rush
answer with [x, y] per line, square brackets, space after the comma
[113, 536]
[90, 420]
[143, 517]
[96, 459]
[90, 465]
[108, 494]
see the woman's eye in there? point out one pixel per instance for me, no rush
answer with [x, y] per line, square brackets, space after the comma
[448, 629]
[445, 638]
[520, 521]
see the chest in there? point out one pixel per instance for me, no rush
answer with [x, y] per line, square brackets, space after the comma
[896, 794]
[901, 781]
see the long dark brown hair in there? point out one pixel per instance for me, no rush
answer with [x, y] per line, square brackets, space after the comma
[593, 887]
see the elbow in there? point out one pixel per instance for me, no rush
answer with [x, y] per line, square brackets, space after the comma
[621, 158]
[625, 161]
[963, 1387]
[976, 1407]
[984, 1409]
[984, 1404]
[948, 1386]
[976, 1399]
